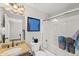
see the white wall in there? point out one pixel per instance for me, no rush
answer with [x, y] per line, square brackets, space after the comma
[51, 30]
[32, 12]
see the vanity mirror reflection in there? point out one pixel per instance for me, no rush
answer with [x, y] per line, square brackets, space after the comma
[14, 27]
[11, 23]
[2, 25]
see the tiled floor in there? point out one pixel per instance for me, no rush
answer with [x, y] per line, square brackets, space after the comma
[44, 53]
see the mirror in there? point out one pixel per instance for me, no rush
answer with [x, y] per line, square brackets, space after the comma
[14, 27]
[2, 25]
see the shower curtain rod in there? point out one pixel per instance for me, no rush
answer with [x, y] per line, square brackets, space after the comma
[76, 9]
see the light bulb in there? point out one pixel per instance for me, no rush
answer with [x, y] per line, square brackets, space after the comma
[15, 6]
[22, 9]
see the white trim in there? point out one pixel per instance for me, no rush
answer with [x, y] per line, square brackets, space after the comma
[58, 15]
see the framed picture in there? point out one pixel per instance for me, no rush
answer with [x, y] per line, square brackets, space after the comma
[33, 24]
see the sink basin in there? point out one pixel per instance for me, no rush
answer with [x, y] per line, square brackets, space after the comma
[12, 52]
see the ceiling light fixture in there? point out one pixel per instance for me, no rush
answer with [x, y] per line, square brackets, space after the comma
[16, 8]
[21, 9]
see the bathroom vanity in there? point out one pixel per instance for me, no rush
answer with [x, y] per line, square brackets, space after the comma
[20, 48]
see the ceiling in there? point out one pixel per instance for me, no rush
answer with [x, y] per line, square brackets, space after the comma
[53, 9]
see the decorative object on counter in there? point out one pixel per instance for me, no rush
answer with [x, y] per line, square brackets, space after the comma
[62, 42]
